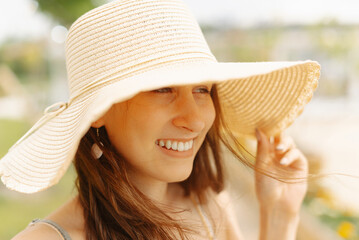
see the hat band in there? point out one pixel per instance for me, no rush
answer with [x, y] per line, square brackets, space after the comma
[49, 113]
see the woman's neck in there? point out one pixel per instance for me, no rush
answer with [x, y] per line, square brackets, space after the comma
[156, 190]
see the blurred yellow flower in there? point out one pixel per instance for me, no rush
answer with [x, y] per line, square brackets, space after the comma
[346, 229]
[327, 197]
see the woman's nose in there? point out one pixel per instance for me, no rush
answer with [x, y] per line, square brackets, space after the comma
[188, 114]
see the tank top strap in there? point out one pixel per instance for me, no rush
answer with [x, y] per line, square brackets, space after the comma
[205, 220]
[57, 227]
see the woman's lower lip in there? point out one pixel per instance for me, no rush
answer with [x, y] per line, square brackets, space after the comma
[177, 154]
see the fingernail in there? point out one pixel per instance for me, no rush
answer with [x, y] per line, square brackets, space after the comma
[258, 135]
[280, 147]
[284, 161]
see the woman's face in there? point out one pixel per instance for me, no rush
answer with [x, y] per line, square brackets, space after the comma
[159, 132]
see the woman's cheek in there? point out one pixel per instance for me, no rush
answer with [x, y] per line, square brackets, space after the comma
[210, 114]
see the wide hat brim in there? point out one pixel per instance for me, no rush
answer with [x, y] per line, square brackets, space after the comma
[264, 95]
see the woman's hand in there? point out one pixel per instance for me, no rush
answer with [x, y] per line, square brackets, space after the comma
[279, 201]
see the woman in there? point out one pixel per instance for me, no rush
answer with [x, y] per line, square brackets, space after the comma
[150, 110]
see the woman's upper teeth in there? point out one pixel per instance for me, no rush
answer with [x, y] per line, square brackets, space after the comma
[176, 145]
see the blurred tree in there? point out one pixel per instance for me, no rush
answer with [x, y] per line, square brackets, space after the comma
[26, 59]
[67, 11]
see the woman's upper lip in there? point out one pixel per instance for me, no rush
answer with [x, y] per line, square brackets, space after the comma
[177, 139]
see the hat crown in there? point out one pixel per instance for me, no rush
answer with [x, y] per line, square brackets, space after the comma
[123, 38]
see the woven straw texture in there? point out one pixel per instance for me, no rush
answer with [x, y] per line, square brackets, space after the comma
[122, 48]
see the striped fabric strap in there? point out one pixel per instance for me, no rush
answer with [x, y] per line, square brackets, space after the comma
[62, 231]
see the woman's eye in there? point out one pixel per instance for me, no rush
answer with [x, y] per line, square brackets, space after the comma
[202, 90]
[163, 90]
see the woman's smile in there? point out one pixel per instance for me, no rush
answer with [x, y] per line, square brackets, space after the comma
[176, 147]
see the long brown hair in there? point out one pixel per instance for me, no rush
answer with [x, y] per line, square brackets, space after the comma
[115, 209]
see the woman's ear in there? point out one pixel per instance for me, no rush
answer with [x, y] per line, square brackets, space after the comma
[99, 123]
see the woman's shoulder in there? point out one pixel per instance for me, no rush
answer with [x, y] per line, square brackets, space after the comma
[67, 219]
[39, 232]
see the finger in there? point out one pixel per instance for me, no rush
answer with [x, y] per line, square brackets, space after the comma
[263, 140]
[295, 159]
[263, 145]
[285, 143]
[278, 137]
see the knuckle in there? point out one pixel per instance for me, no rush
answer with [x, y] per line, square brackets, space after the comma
[290, 141]
[293, 152]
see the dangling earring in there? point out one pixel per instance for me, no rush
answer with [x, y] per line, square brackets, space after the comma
[95, 149]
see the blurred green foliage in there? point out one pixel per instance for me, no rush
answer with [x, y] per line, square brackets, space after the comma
[333, 39]
[27, 59]
[322, 203]
[67, 11]
[245, 45]
[345, 223]
[11, 131]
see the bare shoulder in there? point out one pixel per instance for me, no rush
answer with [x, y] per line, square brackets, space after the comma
[69, 217]
[38, 231]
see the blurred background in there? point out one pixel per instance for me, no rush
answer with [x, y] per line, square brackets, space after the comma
[33, 76]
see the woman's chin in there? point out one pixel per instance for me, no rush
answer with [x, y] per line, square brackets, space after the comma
[178, 175]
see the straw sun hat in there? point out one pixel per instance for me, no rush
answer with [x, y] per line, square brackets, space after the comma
[124, 47]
